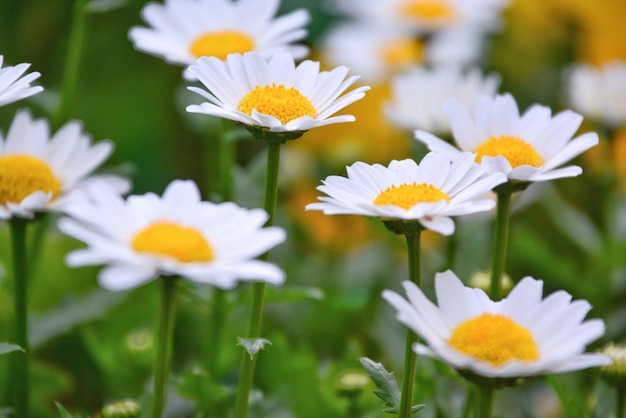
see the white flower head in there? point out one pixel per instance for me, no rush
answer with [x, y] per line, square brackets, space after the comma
[440, 186]
[598, 93]
[274, 94]
[526, 147]
[183, 30]
[418, 95]
[39, 172]
[14, 85]
[145, 236]
[521, 335]
[427, 16]
[378, 52]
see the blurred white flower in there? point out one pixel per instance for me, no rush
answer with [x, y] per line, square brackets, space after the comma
[425, 16]
[418, 95]
[598, 92]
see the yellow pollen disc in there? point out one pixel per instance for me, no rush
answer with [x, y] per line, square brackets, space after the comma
[408, 195]
[22, 175]
[285, 104]
[185, 244]
[403, 52]
[514, 149]
[494, 339]
[220, 44]
[428, 10]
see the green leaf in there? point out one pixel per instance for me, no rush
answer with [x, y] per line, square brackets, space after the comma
[253, 345]
[388, 389]
[6, 348]
[72, 311]
[63, 412]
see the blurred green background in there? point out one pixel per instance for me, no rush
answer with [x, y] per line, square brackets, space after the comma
[92, 346]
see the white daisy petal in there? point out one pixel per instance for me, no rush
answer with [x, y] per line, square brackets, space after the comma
[250, 89]
[14, 85]
[40, 172]
[520, 336]
[526, 147]
[183, 30]
[410, 191]
[145, 236]
[598, 92]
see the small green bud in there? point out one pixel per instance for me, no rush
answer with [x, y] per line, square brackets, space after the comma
[352, 382]
[482, 280]
[615, 374]
[127, 408]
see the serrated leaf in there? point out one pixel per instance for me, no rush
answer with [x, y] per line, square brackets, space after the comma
[6, 348]
[253, 345]
[388, 389]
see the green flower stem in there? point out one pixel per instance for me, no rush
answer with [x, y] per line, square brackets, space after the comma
[167, 313]
[224, 188]
[410, 358]
[485, 401]
[620, 406]
[246, 372]
[20, 283]
[216, 324]
[500, 242]
[72, 63]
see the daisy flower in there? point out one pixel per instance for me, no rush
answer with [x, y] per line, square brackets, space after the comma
[598, 93]
[273, 94]
[418, 95]
[14, 85]
[427, 16]
[377, 51]
[527, 147]
[430, 192]
[41, 173]
[183, 30]
[145, 236]
[521, 335]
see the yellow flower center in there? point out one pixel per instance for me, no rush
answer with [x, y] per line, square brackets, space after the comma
[220, 44]
[22, 175]
[170, 239]
[514, 149]
[282, 103]
[403, 52]
[494, 339]
[408, 195]
[428, 10]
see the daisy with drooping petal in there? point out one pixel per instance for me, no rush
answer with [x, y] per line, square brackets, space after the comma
[430, 192]
[598, 92]
[273, 94]
[519, 336]
[39, 172]
[14, 85]
[145, 236]
[184, 30]
[418, 95]
[526, 147]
